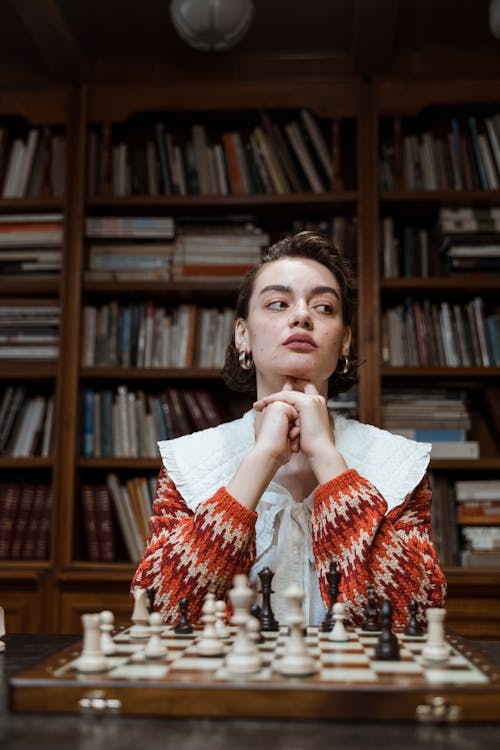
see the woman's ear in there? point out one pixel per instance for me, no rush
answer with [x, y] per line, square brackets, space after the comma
[241, 335]
[346, 341]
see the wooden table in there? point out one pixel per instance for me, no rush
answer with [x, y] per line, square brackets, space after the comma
[54, 732]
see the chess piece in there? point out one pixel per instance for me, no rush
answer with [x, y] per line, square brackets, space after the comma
[220, 620]
[91, 658]
[209, 644]
[155, 648]
[265, 615]
[296, 660]
[140, 615]
[387, 648]
[244, 656]
[333, 577]
[413, 628]
[338, 634]
[107, 619]
[435, 649]
[183, 626]
[371, 623]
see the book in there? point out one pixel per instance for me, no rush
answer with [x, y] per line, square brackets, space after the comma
[467, 449]
[89, 516]
[125, 517]
[38, 524]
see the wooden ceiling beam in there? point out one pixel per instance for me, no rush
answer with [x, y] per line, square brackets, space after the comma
[51, 34]
[374, 35]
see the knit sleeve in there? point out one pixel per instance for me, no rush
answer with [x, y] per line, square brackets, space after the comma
[393, 552]
[189, 554]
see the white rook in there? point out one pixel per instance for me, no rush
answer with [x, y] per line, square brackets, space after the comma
[436, 648]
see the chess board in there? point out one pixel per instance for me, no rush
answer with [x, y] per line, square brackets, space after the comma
[349, 683]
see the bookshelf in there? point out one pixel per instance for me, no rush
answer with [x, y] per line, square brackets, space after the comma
[356, 116]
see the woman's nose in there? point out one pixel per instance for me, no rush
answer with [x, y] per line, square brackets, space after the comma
[301, 315]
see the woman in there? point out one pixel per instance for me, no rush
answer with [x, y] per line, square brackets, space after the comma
[285, 486]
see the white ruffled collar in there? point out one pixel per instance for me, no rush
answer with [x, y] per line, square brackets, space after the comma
[203, 461]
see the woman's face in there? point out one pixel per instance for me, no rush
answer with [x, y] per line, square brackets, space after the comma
[294, 327]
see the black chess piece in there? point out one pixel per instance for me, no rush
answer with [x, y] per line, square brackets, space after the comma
[371, 623]
[387, 648]
[413, 628]
[266, 615]
[333, 577]
[183, 626]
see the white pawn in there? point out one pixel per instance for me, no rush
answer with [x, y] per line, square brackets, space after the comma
[244, 656]
[338, 633]
[92, 658]
[220, 617]
[155, 648]
[140, 615]
[107, 620]
[209, 643]
[296, 659]
[435, 648]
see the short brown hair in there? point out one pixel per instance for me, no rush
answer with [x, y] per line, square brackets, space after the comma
[316, 247]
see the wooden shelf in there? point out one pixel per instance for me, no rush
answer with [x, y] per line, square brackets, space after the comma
[31, 205]
[150, 373]
[447, 373]
[459, 464]
[469, 283]
[26, 462]
[10, 370]
[17, 285]
[111, 464]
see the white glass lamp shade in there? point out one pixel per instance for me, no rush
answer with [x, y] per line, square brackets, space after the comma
[212, 24]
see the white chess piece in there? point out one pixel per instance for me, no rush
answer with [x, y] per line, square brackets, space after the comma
[209, 643]
[91, 658]
[435, 649]
[107, 619]
[155, 648]
[140, 615]
[338, 633]
[220, 617]
[296, 659]
[244, 656]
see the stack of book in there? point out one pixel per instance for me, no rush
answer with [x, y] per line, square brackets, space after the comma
[437, 417]
[445, 534]
[124, 423]
[470, 239]
[32, 164]
[26, 423]
[31, 244]
[442, 334]
[271, 157]
[25, 521]
[148, 335]
[478, 514]
[29, 329]
[129, 248]
[217, 252]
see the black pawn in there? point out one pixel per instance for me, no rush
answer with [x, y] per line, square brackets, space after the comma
[413, 628]
[371, 623]
[333, 577]
[183, 626]
[387, 648]
[266, 616]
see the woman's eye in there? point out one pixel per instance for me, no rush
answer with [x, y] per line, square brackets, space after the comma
[278, 304]
[324, 307]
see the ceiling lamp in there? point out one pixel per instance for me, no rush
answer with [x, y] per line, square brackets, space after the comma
[212, 24]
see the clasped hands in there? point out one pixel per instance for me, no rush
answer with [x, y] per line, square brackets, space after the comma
[296, 419]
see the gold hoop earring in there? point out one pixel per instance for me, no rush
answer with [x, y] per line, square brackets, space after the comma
[245, 360]
[346, 367]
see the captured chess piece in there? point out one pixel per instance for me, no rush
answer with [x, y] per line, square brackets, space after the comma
[183, 626]
[333, 577]
[436, 649]
[387, 648]
[371, 623]
[413, 628]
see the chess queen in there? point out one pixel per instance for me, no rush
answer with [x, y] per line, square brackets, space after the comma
[288, 485]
